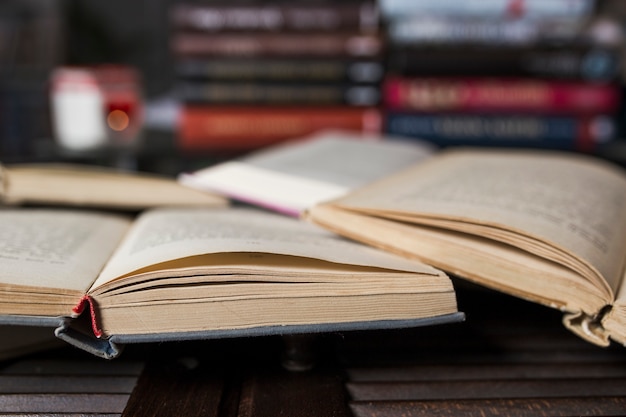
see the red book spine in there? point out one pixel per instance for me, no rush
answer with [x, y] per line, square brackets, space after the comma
[247, 128]
[499, 95]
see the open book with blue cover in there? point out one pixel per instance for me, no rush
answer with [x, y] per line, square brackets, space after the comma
[105, 279]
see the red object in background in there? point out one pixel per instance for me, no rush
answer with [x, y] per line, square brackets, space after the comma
[96, 106]
[123, 105]
[491, 94]
[247, 128]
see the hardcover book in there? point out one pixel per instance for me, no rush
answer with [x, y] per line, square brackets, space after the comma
[595, 63]
[247, 128]
[79, 185]
[495, 9]
[191, 273]
[275, 17]
[435, 30]
[584, 133]
[278, 93]
[499, 95]
[549, 227]
[281, 69]
[239, 44]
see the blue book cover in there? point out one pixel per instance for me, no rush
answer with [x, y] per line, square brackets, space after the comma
[534, 131]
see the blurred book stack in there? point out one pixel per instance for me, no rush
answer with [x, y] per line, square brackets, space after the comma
[511, 73]
[256, 73]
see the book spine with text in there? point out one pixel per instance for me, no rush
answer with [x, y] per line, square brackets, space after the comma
[203, 128]
[489, 8]
[598, 64]
[487, 94]
[445, 30]
[285, 69]
[275, 17]
[576, 133]
[337, 44]
[227, 93]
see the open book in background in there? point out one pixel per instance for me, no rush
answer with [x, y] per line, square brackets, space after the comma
[295, 175]
[91, 186]
[549, 227]
[191, 273]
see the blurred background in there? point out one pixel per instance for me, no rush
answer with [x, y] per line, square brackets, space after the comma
[173, 85]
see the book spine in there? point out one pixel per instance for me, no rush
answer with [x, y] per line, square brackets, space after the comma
[567, 62]
[489, 8]
[533, 131]
[438, 30]
[222, 93]
[285, 17]
[499, 95]
[338, 44]
[203, 128]
[311, 70]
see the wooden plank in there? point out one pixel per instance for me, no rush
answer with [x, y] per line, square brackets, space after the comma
[10, 384]
[461, 372]
[283, 393]
[62, 403]
[557, 407]
[168, 388]
[459, 390]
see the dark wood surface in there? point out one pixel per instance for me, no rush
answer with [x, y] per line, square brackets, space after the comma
[510, 358]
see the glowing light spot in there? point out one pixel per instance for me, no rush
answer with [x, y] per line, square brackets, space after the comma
[118, 120]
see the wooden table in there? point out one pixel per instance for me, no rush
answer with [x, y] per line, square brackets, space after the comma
[510, 358]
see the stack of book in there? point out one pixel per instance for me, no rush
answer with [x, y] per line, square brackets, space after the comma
[528, 73]
[251, 74]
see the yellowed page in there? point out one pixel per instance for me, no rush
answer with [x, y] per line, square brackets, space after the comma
[168, 234]
[81, 185]
[56, 249]
[573, 202]
[615, 320]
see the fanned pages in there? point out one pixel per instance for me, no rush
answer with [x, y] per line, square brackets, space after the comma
[180, 273]
[83, 185]
[546, 226]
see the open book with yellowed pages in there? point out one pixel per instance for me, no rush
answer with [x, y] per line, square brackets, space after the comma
[105, 279]
[92, 186]
[546, 226]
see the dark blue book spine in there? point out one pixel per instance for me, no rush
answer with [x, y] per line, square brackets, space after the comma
[554, 132]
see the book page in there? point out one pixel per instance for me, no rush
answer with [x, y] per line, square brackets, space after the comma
[342, 158]
[296, 175]
[571, 201]
[56, 249]
[169, 234]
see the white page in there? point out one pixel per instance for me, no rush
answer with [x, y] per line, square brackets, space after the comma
[296, 175]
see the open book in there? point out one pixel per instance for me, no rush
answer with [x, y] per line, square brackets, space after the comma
[546, 226]
[83, 185]
[295, 175]
[184, 273]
